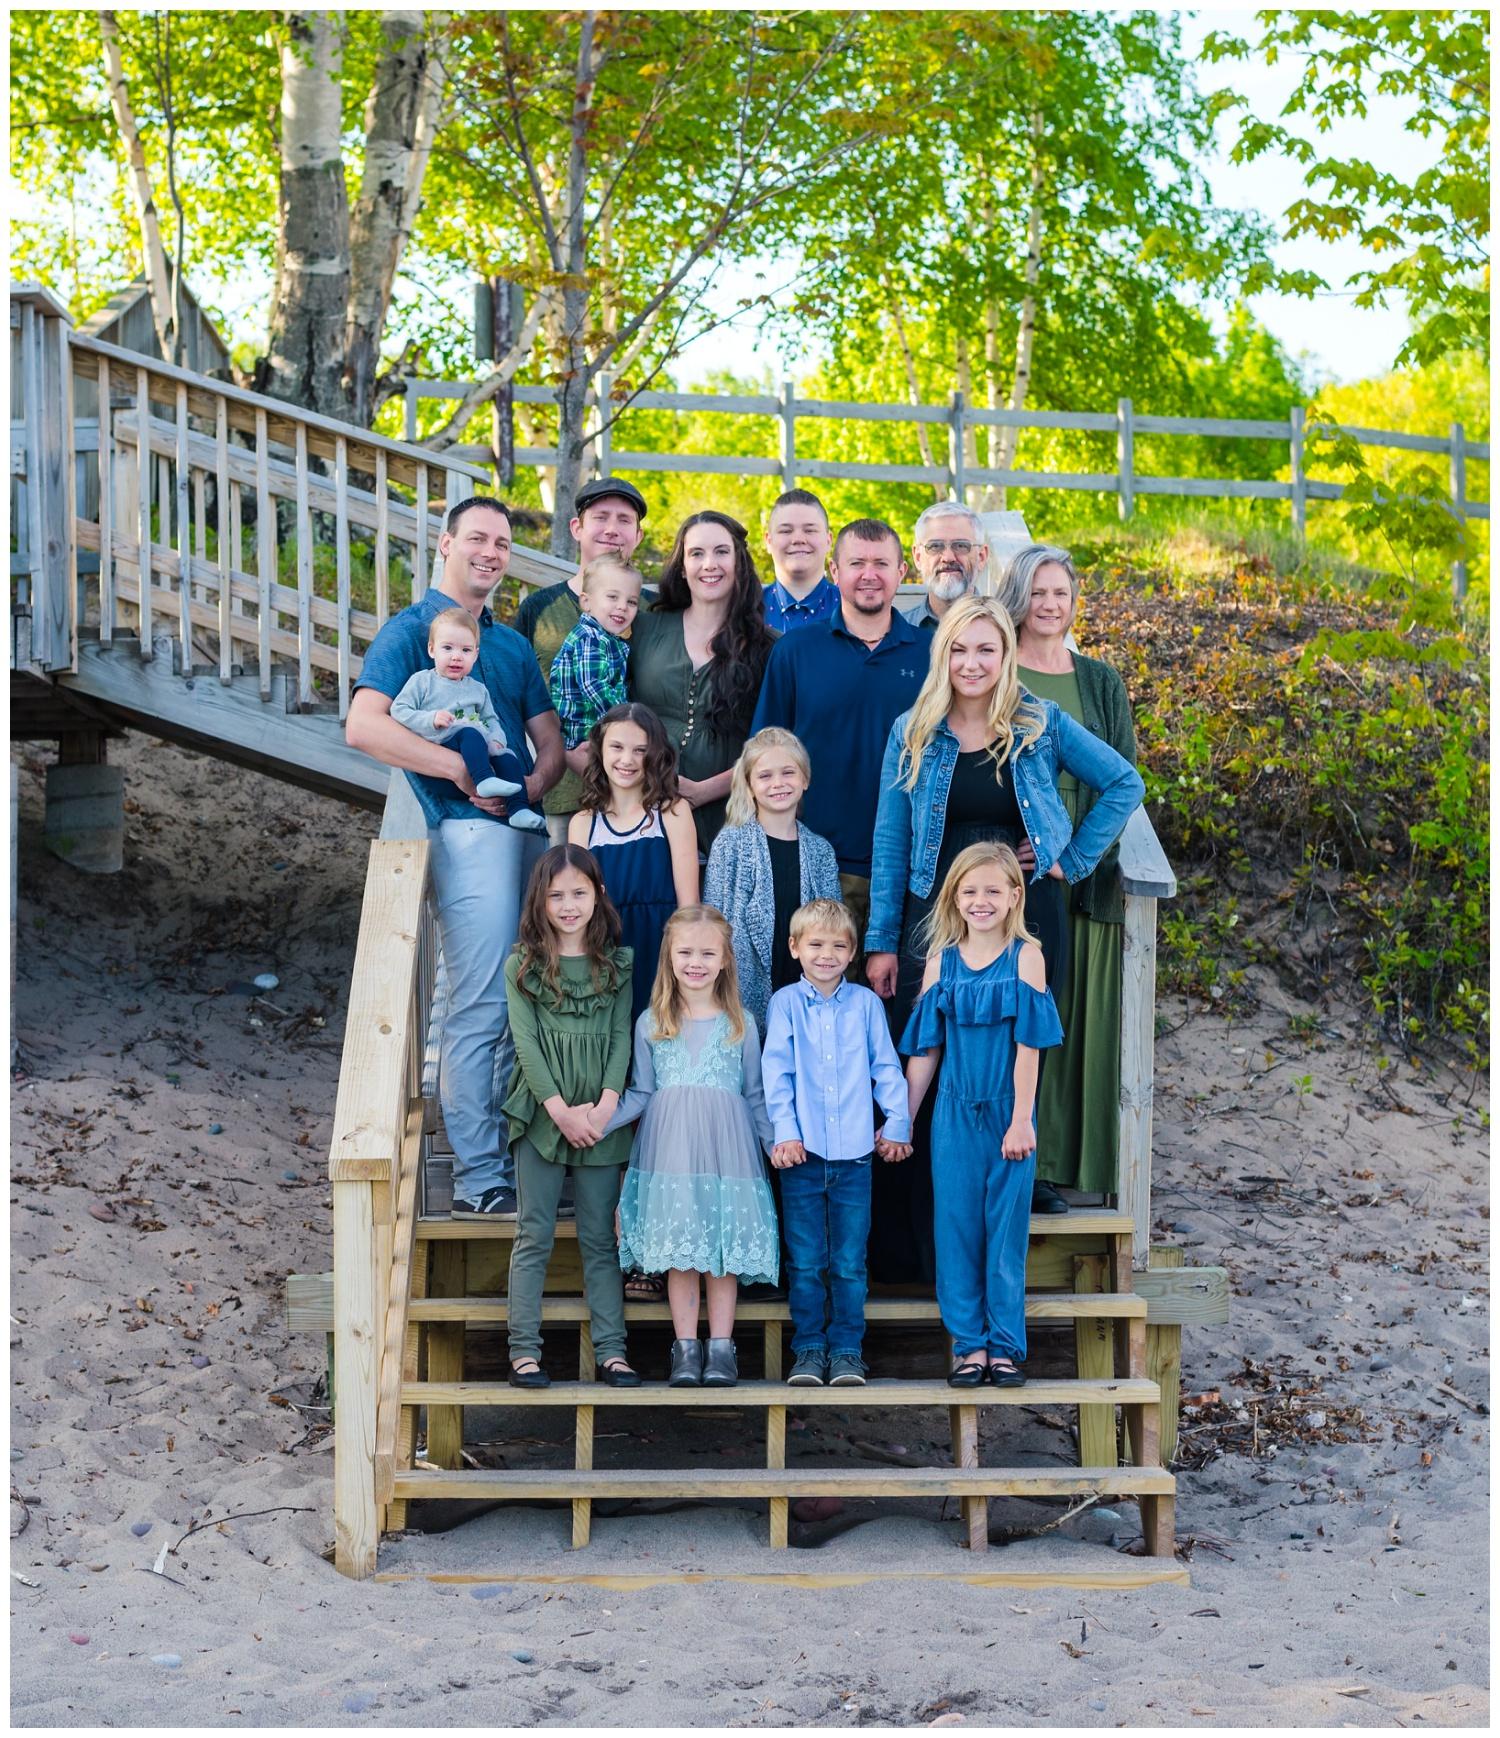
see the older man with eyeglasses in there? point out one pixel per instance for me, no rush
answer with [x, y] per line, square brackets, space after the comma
[951, 552]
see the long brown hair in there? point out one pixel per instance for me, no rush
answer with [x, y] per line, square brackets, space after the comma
[536, 939]
[667, 1009]
[658, 775]
[742, 645]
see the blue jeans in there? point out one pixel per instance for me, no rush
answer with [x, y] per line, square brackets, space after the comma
[981, 1222]
[825, 1213]
[481, 764]
[479, 873]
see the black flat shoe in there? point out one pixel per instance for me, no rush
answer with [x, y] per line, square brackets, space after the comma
[1015, 1377]
[618, 1375]
[1046, 1199]
[537, 1378]
[967, 1376]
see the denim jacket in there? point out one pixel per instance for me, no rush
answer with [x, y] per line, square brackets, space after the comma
[909, 824]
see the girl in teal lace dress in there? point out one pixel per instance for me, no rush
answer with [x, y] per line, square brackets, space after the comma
[696, 1203]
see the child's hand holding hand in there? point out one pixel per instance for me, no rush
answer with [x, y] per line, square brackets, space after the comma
[787, 1153]
[1020, 1140]
[442, 720]
[575, 1122]
[893, 1152]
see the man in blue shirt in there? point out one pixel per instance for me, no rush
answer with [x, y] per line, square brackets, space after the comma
[798, 536]
[839, 686]
[479, 868]
[826, 1042]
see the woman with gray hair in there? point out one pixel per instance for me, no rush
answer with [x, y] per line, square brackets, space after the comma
[1078, 1098]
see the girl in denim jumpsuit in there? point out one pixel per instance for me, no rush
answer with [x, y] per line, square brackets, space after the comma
[985, 1012]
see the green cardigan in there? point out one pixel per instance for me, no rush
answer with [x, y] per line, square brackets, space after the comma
[1106, 712]
[575, 1048]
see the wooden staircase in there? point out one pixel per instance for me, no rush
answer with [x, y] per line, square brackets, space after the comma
[441, 1312]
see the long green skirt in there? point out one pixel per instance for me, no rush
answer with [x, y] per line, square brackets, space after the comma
[1078, 1107]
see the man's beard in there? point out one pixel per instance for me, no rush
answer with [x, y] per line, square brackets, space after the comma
[949, 586]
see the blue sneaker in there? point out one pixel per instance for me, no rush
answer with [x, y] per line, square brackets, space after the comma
[846, 1370]
[809, 1370]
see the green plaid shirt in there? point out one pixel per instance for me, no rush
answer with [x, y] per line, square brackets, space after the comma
[588, 677]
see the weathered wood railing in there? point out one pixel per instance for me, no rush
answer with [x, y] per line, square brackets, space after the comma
[269, 535]
[373, 1168]
[1147, 877]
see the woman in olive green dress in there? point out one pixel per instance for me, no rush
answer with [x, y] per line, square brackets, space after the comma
[568, 992]
[1078, 1101]
[697, 657]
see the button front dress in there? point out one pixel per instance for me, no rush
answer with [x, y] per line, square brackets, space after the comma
[696, 1196]
[981, 1199]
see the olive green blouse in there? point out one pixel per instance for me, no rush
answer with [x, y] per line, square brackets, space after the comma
[574, 1047]
[661, 676]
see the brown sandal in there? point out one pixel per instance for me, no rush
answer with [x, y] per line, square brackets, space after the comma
[645, 1287]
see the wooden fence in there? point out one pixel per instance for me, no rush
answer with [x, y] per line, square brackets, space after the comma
[958, 418]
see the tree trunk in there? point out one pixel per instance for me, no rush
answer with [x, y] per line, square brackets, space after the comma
[153, 250]
[913, 384]
[304, 363]
[1026, 330]
[397, 146]
[573, 388]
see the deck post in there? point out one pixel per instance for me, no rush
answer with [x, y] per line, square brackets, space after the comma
[46, 384]
[1137, 1042]
[356, 1522]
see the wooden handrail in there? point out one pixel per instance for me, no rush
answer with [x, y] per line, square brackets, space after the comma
[283, 419]
[373, 1165]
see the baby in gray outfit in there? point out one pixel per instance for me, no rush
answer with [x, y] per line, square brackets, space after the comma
[446, 705]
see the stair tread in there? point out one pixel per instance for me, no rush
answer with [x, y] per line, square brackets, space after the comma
[1082, 1222]
[1039, 1305]
[792, 1481]
[1060, 1391]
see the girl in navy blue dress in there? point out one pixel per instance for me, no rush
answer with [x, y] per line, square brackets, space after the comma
[640, 832]
[985, 1013]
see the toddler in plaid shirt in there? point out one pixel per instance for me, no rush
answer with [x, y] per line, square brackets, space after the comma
[588, 674]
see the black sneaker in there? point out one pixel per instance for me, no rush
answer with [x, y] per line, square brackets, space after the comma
[496, 1203]
[809, 1370]
[846, 1370]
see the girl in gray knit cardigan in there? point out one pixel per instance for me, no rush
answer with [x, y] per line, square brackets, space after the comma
[765, 863]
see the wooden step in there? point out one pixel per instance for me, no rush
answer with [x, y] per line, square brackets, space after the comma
[910, 1481]
[1046, 1391]
[1040, 1306]
[1083, 1222]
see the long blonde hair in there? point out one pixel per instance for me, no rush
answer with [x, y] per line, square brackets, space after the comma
[667, 1009]
[945, 926]
[1015, 719]
[741, 806]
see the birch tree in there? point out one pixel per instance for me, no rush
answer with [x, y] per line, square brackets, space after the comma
[618, 162]
[271, 115]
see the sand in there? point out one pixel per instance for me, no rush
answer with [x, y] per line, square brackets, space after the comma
[1333, 1582]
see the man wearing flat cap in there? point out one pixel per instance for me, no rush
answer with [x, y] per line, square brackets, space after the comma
[607, 517]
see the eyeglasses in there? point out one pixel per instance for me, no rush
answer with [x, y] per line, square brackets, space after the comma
[936, 546]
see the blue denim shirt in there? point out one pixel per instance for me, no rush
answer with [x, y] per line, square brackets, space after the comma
[822, 1054]
[909, 824]
[507, 667]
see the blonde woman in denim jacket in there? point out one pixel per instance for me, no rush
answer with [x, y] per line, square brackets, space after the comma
[976, 758]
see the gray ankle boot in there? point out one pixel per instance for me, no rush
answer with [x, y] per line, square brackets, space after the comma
[687, 1364]
[719, 1367]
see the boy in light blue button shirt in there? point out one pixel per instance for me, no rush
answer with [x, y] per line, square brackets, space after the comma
[827, 1043]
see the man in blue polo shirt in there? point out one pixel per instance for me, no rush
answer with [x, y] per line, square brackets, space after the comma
[479, 868]
[840, 685]
[797, 537]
